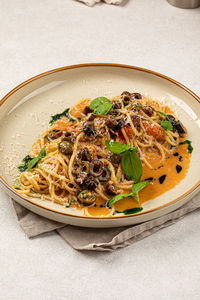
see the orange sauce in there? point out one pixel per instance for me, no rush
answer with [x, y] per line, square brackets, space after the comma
[153, 190]
[76, 110]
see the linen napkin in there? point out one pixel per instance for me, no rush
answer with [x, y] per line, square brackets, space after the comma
[97, 239]
[93, 2]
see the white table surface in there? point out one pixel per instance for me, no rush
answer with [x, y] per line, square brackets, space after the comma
[36, 36]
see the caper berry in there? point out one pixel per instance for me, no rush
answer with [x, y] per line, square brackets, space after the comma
[115, 158]
[65, 147]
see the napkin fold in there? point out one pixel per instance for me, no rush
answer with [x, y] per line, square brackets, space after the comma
[93, 2]
[97, 239]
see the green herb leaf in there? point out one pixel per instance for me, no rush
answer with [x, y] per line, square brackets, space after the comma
[132, 165]
[35, 160]
[130, 211]
[119, 197]
[167, 125]
[73, 200]
[58, 116]
[137, 187]
[101, 106]
[25, 162]
[162, 113]
[137, 106]
[131, 162]
[117, 147]
[190, 147]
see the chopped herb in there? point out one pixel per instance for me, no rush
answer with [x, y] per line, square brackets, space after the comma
[73, 200]
[190, 148]
[25, 162]
[58, 116]
[79, 119]
[137, 106]
[130, 211]
[107, 167]
[36, 159]
[84, 196]
[101, 106]
[16, 187]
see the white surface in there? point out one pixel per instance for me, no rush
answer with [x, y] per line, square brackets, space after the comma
[39, 35]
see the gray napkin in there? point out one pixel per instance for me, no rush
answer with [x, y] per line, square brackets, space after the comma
[100, 239]
[93, 2]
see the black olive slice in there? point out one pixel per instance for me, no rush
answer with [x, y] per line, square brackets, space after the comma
[179, 127]
[105, 176]
[96, 167]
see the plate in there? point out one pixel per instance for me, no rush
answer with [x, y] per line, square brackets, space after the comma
[25, 112]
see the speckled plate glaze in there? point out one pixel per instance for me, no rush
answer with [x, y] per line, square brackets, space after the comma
[25, 113]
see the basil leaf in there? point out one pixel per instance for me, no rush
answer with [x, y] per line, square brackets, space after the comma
[101, 106]
[130, 211]
[190, 147]
[35, 160]
[25, 162]
[167, 125]
[117, 147]
[137, 187]
[119, 197]
[132, 165]
[58, 116]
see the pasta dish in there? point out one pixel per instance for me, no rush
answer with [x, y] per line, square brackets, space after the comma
[107, 156]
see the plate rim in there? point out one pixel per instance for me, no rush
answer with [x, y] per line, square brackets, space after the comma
[4, 184]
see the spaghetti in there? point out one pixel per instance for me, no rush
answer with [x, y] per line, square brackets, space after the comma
[78, 168]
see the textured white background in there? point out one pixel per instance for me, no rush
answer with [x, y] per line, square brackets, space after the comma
[39, 35]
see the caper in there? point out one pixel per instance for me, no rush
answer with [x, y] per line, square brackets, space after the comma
[115, 158]
[65, 147]
[89, 129]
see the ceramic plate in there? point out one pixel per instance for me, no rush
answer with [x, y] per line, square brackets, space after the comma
[26, 110]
